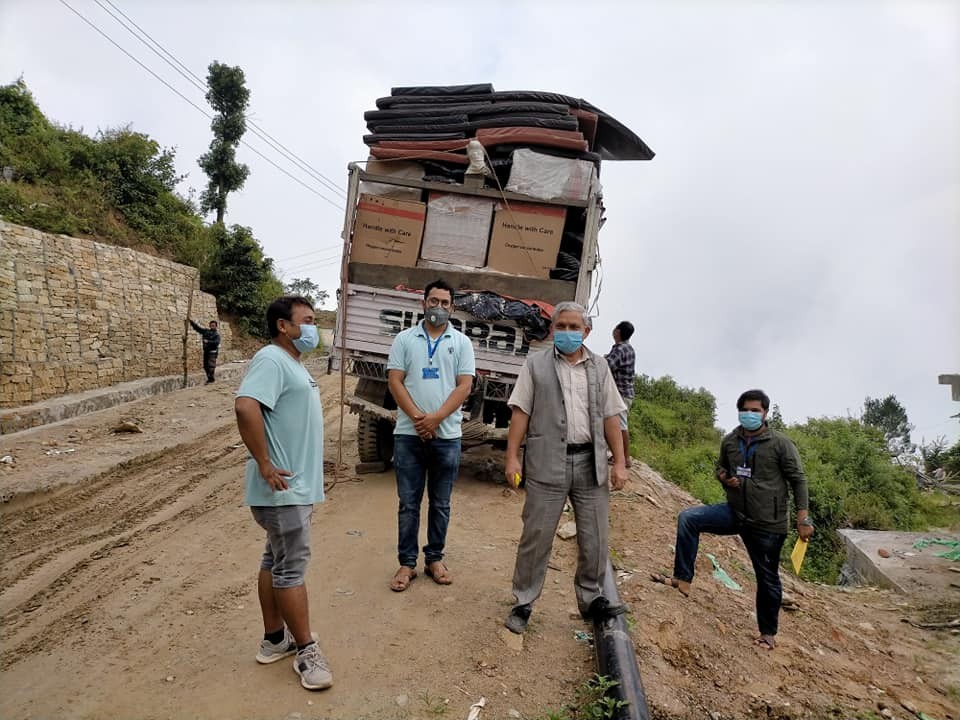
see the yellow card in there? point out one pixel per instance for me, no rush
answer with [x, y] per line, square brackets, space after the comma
[799, 551]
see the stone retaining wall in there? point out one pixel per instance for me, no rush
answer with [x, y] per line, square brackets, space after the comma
[77, 315]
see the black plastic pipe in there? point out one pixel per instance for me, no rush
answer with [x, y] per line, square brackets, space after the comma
[616, 659]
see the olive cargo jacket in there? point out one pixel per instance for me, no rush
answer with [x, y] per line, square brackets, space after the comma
[774, 463]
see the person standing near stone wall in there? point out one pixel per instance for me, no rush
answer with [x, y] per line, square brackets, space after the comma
[211, 347]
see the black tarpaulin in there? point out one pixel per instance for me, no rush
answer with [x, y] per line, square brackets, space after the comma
[490, 306]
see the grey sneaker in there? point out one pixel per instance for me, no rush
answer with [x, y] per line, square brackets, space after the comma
[313, 668]
[518, 618]
[270, 653]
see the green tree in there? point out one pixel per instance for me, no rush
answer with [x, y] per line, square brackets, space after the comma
[938, 456]
[228, 96]
[305, 287]
[775, 420]
[890, 417]
[241, 278]
[951, 460]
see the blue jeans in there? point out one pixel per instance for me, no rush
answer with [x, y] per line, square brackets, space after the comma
[424, 463]
[763, 548]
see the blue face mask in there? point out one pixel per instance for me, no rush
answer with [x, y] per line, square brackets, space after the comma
[751, 420]
[567, 341]
[309, 338]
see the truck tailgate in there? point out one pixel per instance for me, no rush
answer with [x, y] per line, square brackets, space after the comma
[375, 315]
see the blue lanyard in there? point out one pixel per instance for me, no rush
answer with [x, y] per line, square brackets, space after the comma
[747, 450]
[432, 348]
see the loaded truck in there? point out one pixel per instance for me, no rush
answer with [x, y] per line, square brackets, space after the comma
[507, 213]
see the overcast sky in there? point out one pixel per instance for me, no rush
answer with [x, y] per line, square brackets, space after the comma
[799, 229]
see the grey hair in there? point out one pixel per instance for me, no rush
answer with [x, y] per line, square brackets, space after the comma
[571, 306]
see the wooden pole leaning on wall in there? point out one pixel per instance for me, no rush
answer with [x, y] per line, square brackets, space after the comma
[186, 324]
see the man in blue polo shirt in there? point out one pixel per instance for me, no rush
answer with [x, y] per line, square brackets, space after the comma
[430, 373]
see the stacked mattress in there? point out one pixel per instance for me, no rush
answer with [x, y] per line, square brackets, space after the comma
[435, 122]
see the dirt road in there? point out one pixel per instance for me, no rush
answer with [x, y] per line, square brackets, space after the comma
[129, 592]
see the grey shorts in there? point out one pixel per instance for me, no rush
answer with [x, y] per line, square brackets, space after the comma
[622, 417]
[288, 542]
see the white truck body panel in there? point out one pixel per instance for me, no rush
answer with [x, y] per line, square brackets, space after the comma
[376, 315]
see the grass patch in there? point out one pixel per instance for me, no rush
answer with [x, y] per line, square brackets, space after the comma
[593, 702]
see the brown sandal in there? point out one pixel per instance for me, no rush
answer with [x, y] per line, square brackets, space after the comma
[438, 572]
[668, 581]
[402, 578]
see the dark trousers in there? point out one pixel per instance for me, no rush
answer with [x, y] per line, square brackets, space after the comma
[763, 548]
[210, 363]
[430, 464]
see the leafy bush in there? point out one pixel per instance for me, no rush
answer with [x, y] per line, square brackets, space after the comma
[671, 429]
[119, 187]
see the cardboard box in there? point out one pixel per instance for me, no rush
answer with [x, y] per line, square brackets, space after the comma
[457, 229]
[387, 232]
[526, 238]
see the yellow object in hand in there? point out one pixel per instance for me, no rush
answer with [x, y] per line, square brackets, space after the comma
[516, 480]
[799, 551]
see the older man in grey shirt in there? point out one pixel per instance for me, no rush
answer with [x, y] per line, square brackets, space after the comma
[566, 404]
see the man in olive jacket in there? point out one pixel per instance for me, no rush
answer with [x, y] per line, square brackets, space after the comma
[758, 468]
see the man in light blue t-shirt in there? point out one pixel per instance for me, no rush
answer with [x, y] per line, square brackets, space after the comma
[430, 373]
[281, 423]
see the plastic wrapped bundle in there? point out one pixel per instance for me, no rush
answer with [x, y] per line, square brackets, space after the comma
[550, 178]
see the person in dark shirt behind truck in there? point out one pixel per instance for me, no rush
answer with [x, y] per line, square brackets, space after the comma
[622, 361]
[211, 347]
[758, 468]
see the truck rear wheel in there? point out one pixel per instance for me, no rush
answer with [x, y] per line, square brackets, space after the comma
[374, 439]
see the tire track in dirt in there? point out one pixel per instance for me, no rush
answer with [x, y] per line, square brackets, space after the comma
[61, 549]
[102, 507]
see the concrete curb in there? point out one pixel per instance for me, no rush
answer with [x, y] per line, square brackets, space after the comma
[15, 420]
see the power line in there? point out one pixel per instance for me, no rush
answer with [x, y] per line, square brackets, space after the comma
[193, 104]
[192, 78]
[328, 248]
[326, 262]
[188, 70]
[319, 265]
[161, 52]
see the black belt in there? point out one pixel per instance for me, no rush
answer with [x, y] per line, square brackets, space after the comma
[579, 448]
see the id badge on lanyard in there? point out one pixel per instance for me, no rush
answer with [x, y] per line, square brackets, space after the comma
[745, 472]
[431, 372]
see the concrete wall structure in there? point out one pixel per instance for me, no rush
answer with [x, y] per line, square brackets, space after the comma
[901, 567]
[77, 315]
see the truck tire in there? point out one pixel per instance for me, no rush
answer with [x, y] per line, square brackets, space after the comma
[374, 439]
